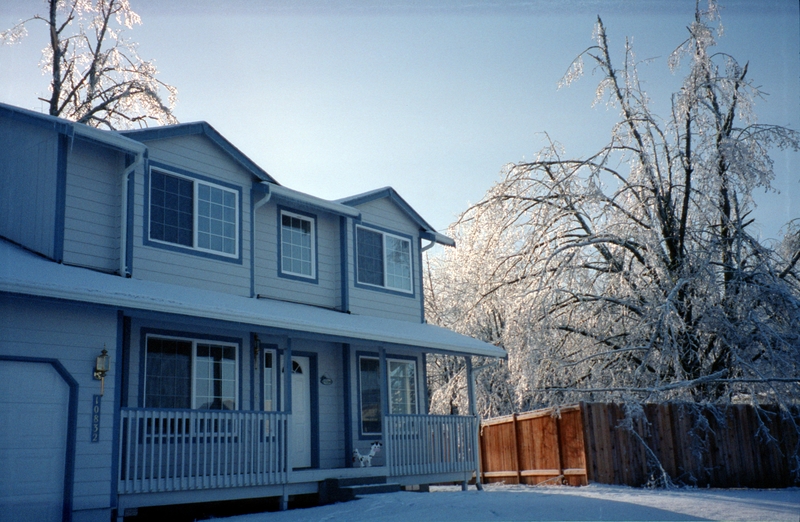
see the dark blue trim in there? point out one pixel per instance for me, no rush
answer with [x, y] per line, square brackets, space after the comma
[314, 280]
[61, 198]
[287, 370]
[189, 336]
[356, 283]
[130, 218]
[421, 285]
[384, 371]
[72, 425]
[370, 355]
[120, 367]
[201, 128]
[392, 195]
[424, 383]
[344, 269]
[314, 400]
[348, 409]
[146, 241]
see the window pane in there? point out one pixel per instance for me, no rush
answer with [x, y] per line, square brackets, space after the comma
[369, 256]
[369, 381]
[215, 375]
[171, 208]
[402, 388]
[296, 245]
[168, 373]
[269, 380]
[398, 263]
[216, 210]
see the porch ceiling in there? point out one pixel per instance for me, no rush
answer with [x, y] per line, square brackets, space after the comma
[22, 272]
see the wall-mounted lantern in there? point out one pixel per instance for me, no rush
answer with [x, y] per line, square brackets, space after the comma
[101, 366]
[256, 347]
[327, 381]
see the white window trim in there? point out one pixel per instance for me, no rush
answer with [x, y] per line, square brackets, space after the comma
[195, 183]
[274, 371]
[313, 228]
[385, 285]
[195, 342]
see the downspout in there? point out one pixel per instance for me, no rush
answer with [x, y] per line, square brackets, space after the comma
[263, 201]
[123, 244]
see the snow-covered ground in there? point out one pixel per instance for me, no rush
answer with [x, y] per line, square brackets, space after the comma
[595, 502]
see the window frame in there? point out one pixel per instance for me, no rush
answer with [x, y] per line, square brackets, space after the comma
[195, 341]
[272, 352]
[312, 219]
[196, 181]
[389, 359]
[411, 292]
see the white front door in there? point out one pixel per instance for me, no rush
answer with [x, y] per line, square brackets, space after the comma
[300, 430]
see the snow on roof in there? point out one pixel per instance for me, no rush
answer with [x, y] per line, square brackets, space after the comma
[22, 272]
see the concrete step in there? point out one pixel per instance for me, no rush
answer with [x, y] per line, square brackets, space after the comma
[352, 492]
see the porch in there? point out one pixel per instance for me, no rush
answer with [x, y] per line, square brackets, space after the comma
[172, 456]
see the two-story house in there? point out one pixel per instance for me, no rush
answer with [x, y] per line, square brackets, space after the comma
[178, 327]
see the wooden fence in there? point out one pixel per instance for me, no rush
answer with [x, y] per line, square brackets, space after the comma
[694, 445]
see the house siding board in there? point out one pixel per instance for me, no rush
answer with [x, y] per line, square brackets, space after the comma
[73, 334]
[191, 268]
[385, 214]
[29, 160]
[92, 210]
[325, 292]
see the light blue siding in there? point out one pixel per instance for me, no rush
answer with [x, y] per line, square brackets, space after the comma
[326, 291]
[74, 335]
[386, 215]
[200, 156]
[93, 207]
[28, 169]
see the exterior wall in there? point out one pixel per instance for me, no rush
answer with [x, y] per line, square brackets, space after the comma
[386, 215]
[325, 289]
[363, 442]
[330, 423]
[93, 206]
[200, 156]
[73, 334]
[141, 326]
[28, 184]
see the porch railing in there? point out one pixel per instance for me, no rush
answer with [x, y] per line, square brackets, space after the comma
[176, 450]
[431, 444]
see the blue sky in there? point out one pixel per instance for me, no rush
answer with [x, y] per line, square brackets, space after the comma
[432, 98]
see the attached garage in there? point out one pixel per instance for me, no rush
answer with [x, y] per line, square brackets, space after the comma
[35, 400]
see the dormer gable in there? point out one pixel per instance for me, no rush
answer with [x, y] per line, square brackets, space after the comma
[426, 231]
[201, 128]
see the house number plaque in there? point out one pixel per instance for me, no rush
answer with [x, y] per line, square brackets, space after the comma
[96, 418]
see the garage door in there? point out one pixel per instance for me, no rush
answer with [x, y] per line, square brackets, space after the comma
[34, 405]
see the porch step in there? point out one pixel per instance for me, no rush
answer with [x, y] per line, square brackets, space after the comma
[352, 492]
[345, 489]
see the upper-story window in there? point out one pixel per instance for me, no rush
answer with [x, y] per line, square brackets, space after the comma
[193, 213]
[298, 245]
[383, 259]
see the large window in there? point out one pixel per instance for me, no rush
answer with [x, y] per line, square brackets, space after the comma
[192, 213]
[402, 387]
[187, 373]
[383, 260]
[297, 245]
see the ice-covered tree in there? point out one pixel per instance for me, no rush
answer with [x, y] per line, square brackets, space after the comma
[632, 274]
[96, 75]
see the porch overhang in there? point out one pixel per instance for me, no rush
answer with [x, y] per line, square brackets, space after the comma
[24, 273]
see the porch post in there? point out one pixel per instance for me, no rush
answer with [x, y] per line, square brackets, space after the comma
[287, 404]
[473, 411]
[387, 443]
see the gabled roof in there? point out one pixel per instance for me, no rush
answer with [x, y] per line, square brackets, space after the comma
[24, 273]
[429, 232]
[69, 128]
[204, 129]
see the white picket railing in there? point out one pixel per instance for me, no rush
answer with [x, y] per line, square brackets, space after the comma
[177, 450]
[430, 444]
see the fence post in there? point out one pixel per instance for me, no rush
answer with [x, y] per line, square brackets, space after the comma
[517, 463]
[557, 420]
